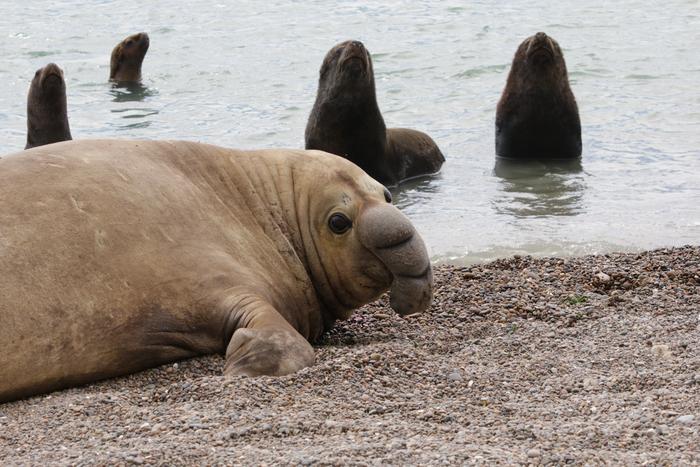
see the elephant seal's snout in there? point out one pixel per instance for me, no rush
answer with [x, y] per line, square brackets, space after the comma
[394, 240]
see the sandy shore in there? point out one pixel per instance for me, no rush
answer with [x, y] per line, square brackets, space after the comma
[522, 360]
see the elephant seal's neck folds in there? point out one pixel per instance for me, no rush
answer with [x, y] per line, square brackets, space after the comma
[127, 58]
[345, 120]
[537, 117]
[47, 109]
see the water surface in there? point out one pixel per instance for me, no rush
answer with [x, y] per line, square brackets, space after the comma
[243, 74]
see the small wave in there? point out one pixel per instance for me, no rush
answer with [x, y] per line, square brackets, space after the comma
[482, 70]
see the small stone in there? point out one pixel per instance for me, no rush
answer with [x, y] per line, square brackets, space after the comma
[374, 357]
[590, 384]
[455, 375]
[662, 429]
[602, 278]
[661, 351]
[157, 428]
[686, 419]
[534, 452]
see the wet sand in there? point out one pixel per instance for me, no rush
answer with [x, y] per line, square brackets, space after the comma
[581, 360]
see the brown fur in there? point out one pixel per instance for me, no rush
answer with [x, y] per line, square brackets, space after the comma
[345, 120]
[537, 116]
[47, 108]
[127, 58]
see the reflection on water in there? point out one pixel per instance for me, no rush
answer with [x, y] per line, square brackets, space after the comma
[415, 190]
[130, 92]
[537, 189]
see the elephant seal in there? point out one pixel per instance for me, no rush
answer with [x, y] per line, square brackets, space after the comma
[47, 110]
[118, 255]
[127, 57]
[537, 116]
[345, 120]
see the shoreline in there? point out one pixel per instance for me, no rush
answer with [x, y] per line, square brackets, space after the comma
[519, 360]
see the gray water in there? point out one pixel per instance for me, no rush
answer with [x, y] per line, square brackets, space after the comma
[243, 74]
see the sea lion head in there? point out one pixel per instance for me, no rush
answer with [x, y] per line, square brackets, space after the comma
[347, 71]
[127, 57]
[48, 85]
[539, 59]
[361, 245]
[47, 113]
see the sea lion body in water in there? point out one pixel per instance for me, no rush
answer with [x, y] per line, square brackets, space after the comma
[537, 116]
[127, 58]
[117, 255]
[345, 120]
[47, 108]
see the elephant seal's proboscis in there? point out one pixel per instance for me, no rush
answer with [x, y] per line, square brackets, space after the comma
[117, 256]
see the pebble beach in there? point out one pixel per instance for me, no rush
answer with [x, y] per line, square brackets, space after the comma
[583, 360]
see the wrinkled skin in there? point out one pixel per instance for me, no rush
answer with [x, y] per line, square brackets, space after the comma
[346, 121]
[537, 117]
[127, 58]
[47, 109]
[116, 256]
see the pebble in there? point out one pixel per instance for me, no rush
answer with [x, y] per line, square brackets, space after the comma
[602, 278]
[686, 419]
[403, 391]
[661, 351]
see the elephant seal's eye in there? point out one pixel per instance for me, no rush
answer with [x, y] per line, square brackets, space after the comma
[387, 195]
[339, 223]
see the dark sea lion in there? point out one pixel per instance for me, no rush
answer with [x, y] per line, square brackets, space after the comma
[47, 109]
[117, 255]
[537, 116]
[127, 57]
[346, 120]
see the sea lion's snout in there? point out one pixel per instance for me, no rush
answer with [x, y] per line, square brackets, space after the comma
[354, 56]
[541, 48]
[143, 39]
[140, 40]
[393, 239]
[51, 76]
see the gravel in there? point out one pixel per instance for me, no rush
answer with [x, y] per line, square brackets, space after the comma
[534, 361]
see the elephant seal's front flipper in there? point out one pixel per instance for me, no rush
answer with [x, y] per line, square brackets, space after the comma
[263, 342]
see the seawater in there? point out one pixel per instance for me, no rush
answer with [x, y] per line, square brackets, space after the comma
[243, 74]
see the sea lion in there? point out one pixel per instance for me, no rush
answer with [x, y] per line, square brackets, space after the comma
[118, 255]
[47, 110]
[127, 57]
[537, 116]
[346, 120]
